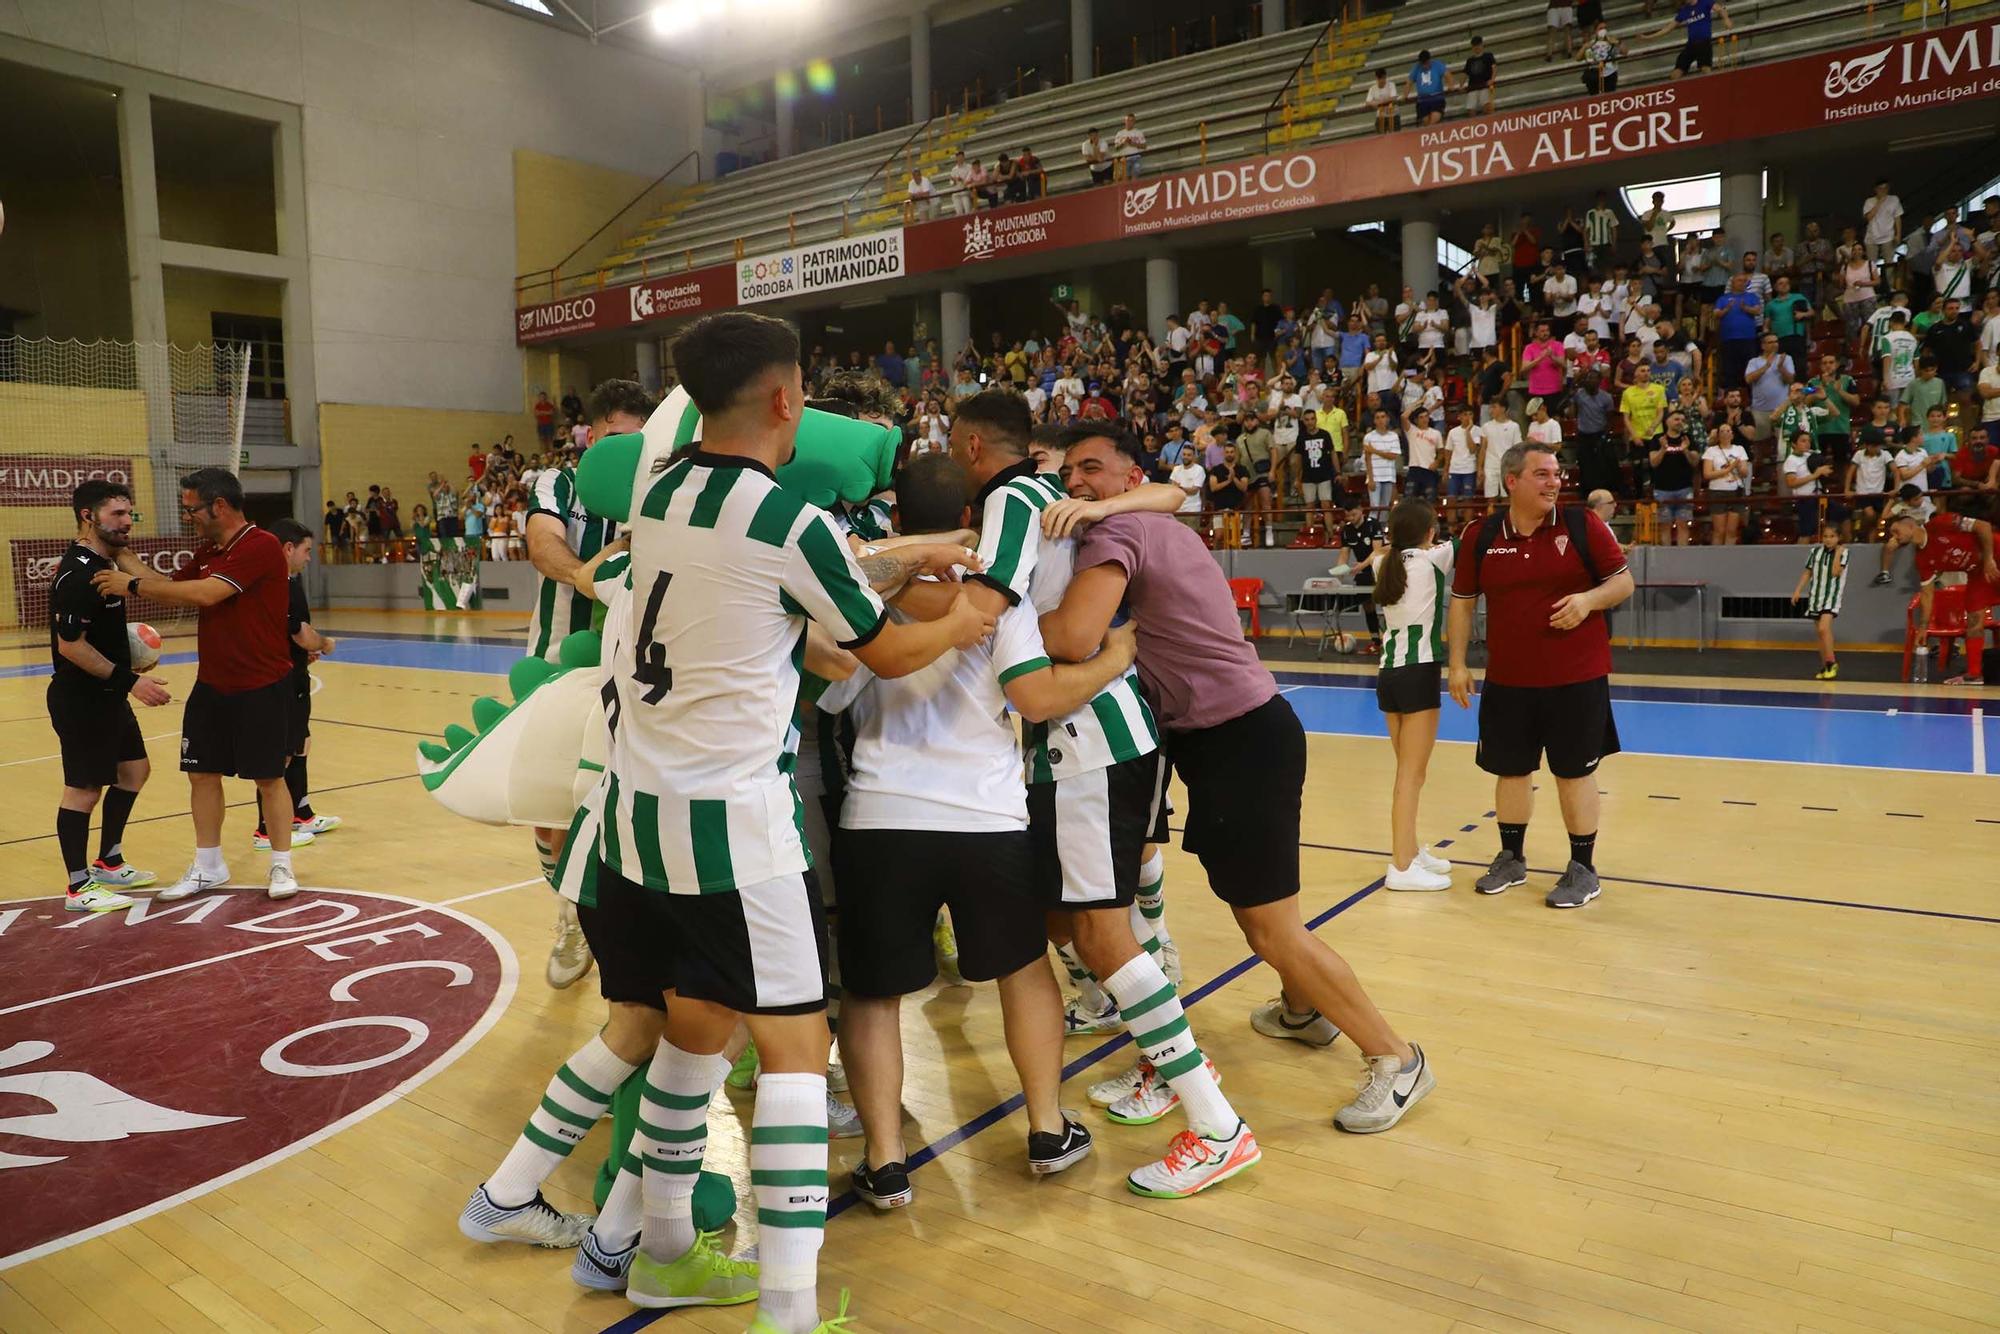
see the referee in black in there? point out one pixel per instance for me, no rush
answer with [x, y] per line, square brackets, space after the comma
[89, 705]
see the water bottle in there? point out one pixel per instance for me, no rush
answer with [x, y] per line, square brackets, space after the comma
[1920, 663]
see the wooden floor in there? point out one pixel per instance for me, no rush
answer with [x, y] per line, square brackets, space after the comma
[1755, 1086]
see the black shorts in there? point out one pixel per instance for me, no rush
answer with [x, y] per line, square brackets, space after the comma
[243, 735]
[1412, 689]
[96, 732]
[1090, 832]
[1695, 53]
[1245, 781]
[1573, 723]
[757, 949]
[630, 934]
[298, 713]
[892, 883]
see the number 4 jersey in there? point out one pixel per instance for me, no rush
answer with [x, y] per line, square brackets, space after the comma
[726, 567]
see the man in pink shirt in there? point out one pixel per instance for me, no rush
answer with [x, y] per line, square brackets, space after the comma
[1545, 365]
[1235, 742]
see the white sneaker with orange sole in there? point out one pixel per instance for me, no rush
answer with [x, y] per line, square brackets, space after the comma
[1196, 1162]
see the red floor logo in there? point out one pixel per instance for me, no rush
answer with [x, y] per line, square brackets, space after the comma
[150, 1055]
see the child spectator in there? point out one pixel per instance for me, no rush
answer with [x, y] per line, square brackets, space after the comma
[1409, 586]
[1819, 589]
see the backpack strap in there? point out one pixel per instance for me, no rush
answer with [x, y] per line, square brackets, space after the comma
[1577, 518]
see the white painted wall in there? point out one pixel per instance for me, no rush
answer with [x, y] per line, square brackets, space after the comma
[411, 112]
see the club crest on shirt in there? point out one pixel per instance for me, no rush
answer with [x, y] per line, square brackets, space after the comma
[1562, 543]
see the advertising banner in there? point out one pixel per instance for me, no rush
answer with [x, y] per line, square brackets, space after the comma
[846, 262]
[48, 479]
[35, 560]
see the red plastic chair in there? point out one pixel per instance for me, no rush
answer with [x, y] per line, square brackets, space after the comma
[1947, 623]
[1247, 592]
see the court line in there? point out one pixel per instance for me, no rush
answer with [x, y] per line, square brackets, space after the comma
[294, 939]
[37, 759]
[999, 1112]
[1979, 739]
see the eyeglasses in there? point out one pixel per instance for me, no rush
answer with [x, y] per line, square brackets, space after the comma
[189, 511]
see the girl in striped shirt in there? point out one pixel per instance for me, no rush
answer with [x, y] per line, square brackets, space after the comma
[1412, 585]
[1820, 586]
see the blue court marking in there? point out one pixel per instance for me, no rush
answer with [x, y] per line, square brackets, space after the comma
[1847, 738]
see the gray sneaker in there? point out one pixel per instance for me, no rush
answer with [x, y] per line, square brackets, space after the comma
[1577, 887]
[1506, 872]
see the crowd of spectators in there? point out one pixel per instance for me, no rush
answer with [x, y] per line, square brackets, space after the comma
[970, 185]
[485, 509]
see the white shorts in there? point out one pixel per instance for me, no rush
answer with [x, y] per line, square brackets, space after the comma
[1090, 830]
[1563, 18]
[1317, 493]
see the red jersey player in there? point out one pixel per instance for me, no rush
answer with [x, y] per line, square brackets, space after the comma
[1952, 543]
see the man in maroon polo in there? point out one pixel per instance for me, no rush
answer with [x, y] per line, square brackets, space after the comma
[1548, 575]
[237, 716]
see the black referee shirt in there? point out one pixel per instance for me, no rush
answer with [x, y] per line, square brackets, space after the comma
[78, 611]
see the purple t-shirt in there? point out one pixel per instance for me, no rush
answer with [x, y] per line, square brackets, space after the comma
[1197, 666]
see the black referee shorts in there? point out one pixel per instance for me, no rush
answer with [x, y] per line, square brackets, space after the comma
[1573, 723]
[298, 713]
[630, 931]
[1246, 782]
[96, 732]
[241, 735]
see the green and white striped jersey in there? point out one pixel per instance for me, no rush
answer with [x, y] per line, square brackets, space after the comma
[701, 696]
[1826, 578]
[1413, 629]
[1116, 725]
[869, 521]
[559, 609]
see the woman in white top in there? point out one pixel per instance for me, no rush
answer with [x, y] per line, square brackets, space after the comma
[1412, 586]
[1726, 468]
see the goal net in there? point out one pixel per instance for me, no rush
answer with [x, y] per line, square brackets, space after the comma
[145, 414]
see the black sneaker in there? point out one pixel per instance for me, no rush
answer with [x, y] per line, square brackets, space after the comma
[885, 1187]
[1049, 1153]
[1880, 579]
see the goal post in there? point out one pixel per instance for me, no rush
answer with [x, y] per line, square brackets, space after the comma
[144, 414]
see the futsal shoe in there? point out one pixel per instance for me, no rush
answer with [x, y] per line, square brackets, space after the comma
[842, 1121]
[1433, 863]
[1311, 1027]
[93, 897]
[838, 1323]
[598, 1269]
[569, 957]
[1080, 1021]
[1576, 887]
[1507, 871]
[1169, 959]
[1388, 1091]
[316, 824]
[1152, 1098]
[283, 883]
[1107, 1091]
[883, 1188]
[1196, 1162]
[122, 876]
[836, 1077]
[301, 837]
[743, 1074]
[944, 950]
[702, 1277]
[1415, 876]
[1049, 1153]
[536, 1223]
[194, 882]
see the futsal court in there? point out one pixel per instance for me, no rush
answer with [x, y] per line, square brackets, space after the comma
[1755, 1086]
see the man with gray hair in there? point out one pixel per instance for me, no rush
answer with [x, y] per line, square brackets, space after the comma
[1548, 574]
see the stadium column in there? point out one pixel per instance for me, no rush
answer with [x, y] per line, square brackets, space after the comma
[1743, 210]
[1420, 252]
[1163, 292]
[920, 67]
[1081, 64]
[647, 364]
[149, 293]
[954, 318]
[1274, 17]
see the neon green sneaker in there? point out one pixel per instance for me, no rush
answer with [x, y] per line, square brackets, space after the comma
[702, 1277]
[944, 950]
[838, 1323]
[743, 1074]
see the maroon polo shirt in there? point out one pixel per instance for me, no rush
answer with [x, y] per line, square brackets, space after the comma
[244, 641]
[1523, 577]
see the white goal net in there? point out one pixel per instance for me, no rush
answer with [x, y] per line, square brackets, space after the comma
[145, 414]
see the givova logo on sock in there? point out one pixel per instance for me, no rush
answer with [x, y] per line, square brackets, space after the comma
[245, 1031]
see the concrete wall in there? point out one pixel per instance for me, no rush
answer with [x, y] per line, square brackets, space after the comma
[559, 202]
[504, 586]
[412, 110]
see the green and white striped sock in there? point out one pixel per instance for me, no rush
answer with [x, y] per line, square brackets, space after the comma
[545, 854]
[788, 1172]
[671, 1141]
[570, 1106]
[1087, 990]
[1152, 1013]
[1151, 901]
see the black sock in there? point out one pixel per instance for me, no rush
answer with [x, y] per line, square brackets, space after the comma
[1583, 847]
[295, 783]
[117, 809]
[1514, 838]
[73, 835]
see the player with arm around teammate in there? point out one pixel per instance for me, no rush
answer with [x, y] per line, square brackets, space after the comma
[89, 689]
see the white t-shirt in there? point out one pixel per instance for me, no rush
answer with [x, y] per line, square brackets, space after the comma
[1424, 442]
[1190, 473]
[1178, 339]
[1483, 321]
[961, 175]
[1592, 307]
[1432, 327]
[1131, 142]
[1989, 339]
[1036, 397]
[1989, 408]
[935, 749]
[1871, 474]
[1720, 457]
[1463, 446]
[1285, 433]
[1382, 469]
[1384, 373]
[1381, 94]
[1501, 437]
[1795, 466]
[1883, 223]
[1899, 348]
[1906, 458]
[1413, 626]
[1093, 151]
[1070, 390]
[1561, 295]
